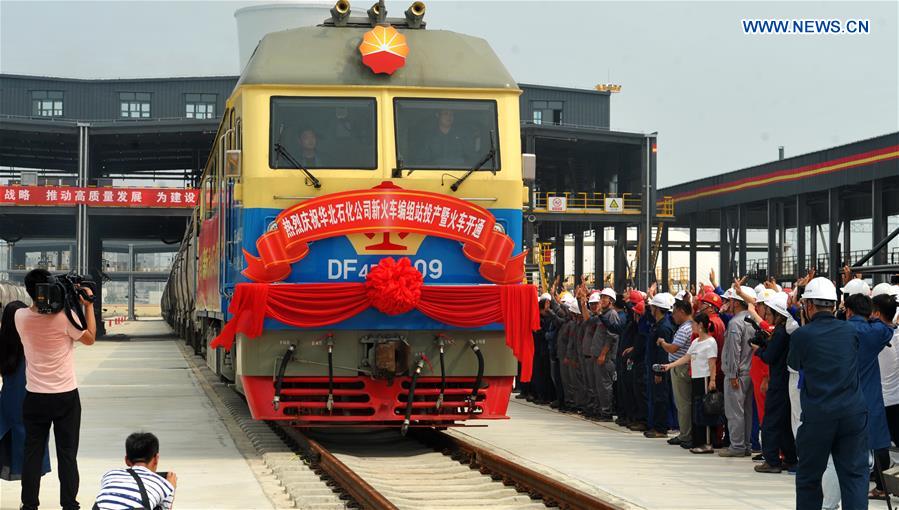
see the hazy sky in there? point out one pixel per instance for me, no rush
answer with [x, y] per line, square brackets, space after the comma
[720, 100]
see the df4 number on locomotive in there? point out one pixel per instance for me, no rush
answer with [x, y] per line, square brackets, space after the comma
[351, 269]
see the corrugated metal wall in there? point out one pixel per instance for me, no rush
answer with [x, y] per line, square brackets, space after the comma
[99, 100]
[579, 107]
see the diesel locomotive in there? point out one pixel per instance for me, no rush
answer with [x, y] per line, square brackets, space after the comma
[356, 255]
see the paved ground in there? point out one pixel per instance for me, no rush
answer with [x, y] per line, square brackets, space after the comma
[145, 384]
[644, 472]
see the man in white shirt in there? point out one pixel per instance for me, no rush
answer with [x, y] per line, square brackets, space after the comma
[140, 485]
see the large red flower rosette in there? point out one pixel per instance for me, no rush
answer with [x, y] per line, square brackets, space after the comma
[393, 286]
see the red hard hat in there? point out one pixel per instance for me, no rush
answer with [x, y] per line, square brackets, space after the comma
[636, 299]
[713, 299]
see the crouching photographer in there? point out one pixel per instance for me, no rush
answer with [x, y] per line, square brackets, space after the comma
[61, 314]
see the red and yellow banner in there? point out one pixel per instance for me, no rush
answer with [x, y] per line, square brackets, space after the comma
[98, 197]
[385, 208]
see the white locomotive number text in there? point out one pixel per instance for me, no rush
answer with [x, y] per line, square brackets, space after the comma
[350, 269]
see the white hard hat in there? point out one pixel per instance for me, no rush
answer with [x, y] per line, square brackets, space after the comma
[608, 291]
[880, 289]
[544, 297]
[746, 290]
[662, 300]
[820, 288]
[594, 297]
[759, 288]
[856, 286]
[573, 306]
[778, 303]
[680, 295]
[765, 295]
[894, 290]
[728, 294]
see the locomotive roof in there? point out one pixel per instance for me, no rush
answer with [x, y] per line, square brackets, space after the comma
[330, 56]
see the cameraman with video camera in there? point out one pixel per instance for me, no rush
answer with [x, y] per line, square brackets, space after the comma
[49, 331]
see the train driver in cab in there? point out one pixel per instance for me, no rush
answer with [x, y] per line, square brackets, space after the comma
[443, 144]
[308, 155]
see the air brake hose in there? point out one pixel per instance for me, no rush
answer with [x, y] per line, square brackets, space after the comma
[473, 398]
[330, 403]
[442, 377]
[406, 420]
[279, 378]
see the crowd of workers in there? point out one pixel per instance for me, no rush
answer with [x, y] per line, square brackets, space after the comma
[819, 368]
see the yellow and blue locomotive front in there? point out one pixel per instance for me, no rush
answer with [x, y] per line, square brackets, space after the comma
[310, 114]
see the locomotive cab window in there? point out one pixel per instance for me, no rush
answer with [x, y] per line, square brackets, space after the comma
[446, 134]
[316, 132]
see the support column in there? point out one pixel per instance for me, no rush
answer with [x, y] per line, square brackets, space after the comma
[781, 237]
[81, 233]
[847, 241]
[620, 261]
[772, 237]
[132, 267]
[559, 268]
[529, 229]
[801, 220]
[94, 262]
[693, 235]
[578, 254]
[813, 235]
[833, 219]
[664, 247]
[599, 256]
[741, 238]
[878, 226]
[725, 273]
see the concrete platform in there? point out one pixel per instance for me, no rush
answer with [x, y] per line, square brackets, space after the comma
[139, 380]
[641, 472]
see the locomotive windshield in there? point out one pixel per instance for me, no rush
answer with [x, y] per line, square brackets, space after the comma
[444, 134]
[324, 132]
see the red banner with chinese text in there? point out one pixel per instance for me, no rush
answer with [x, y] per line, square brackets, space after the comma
[385, 208]
[98, 197]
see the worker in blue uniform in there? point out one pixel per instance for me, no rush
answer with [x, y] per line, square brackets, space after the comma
[777, 435]
[873, 336]
[834, 415]
[662, 332]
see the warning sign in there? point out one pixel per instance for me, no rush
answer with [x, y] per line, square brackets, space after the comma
[615, 205]
[557, 204]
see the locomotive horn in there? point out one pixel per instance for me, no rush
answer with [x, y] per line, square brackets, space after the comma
[414, 15]
[377, 13]
[340, 12]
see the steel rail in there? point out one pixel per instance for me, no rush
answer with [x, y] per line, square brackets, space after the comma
[551, 491]
[351, 483]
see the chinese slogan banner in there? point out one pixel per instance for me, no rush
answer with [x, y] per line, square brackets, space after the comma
[100, 197]
[385, 208]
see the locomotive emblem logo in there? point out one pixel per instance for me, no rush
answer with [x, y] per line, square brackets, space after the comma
[384, 49]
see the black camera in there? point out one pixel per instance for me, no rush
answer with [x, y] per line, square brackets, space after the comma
[760, 338]
[62, 293]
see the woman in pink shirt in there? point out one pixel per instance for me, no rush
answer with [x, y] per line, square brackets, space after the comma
[51, 396]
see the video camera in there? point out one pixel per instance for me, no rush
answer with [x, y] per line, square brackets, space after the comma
[62, 293]
[760, 338]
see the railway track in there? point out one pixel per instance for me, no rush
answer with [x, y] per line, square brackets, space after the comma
[330, 469]
[430, 470]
